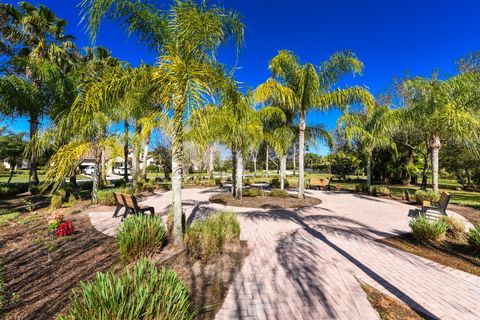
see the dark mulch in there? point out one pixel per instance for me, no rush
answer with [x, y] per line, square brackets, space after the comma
[265, 202]
[456, 254]
[387, 307]
[40, 270]
[208, 282]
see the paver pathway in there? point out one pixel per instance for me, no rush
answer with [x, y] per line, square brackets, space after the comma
[304, 263]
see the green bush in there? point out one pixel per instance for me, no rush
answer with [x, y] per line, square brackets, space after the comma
[429, 195]
[361, 187]
[425, 230]
[252, 192]
[278, 193]
[473, 237]
[206, 239]
[275, 182]
[35, 190]
[148, 187]
[381, 191]
[456, 228]
[54, 225]
[153, 168]
[105, 196]
[140, 235]
[56, 202]
[140, 292]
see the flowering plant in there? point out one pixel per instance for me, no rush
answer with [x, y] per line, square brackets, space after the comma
[65, 229]
[55, 218]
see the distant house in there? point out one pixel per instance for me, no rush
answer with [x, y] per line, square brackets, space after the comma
[21, 164]
[118, 162]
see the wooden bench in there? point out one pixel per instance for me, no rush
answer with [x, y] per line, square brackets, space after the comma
[119, 204]
[318, 183]
[440, 206]
[132, 206]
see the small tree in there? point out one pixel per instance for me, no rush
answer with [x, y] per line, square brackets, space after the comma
[12, 147]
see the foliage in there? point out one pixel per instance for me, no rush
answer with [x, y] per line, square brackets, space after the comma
[65, 229]
[361, 187]
[106, 197]
[279, 193]
[456, 227]
[7, 215]
[252, 192]
[207, 239]
[473, 237]
[142, 291]
[425, 230]
[426, 195]
[140, 235]
[54, 225]
[381, 191]
[56, 202]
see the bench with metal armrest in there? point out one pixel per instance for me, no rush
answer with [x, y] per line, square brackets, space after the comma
[319, 183]
[131, 205]
[439, 206]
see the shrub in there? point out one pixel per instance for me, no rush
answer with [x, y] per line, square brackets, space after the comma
[456, 228]
[473, 237]
[153, 168]
[206, 239]
[139, 235]
[35, 190]
[426, 230]
[381, 191]
[142, 291]
[361, 187]
[275, 182]
[54, 225]
[65, 229]
[105, 196]
[278, 193]
[56, 202]
[421, 195]
[148, 187]
[252, 192]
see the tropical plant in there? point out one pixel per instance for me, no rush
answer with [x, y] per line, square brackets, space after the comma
[425, 230]
[186, 38]
[302, 87]
[140, 235]
[142, 291]
[443, 109]
[12, 147]
[473, 237]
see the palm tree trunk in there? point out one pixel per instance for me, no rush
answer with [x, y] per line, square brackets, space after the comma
[12, 171]
[266, 159]
[435, 145]
[301, 148]
[254, 158]
[103, 181]
[294, 158]
[211, 158]
[426, 167]
[234, 169]
[238, 184]
[145, 156]
[283, 165]
[125, 152]
[136, 156]
[97, 172]
[369, 172]
[177, 174]
[33, 177]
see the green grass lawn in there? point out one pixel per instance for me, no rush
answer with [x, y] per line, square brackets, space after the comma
[24, 178]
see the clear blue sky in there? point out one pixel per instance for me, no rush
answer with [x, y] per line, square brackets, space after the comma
[392, 38]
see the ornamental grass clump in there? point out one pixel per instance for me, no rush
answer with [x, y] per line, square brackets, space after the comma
[140, 235]
[252, 192]
[456, 227]
[278, 193]
[142, 291]
[207, 239]
[425, 230]
[473, 237]
[426, 195]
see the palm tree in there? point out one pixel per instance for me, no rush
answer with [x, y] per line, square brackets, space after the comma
[186, 38]
[12, 147]
[304, 87]
[443, 109]
[370, 130]
[34, 39]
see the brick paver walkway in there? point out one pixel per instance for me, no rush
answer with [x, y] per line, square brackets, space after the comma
[304, 263]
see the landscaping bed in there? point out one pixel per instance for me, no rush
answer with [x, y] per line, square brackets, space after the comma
[265, 202]
[389, 308]
[451, 253]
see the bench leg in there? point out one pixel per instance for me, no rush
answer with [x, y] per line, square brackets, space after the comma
[117, 210]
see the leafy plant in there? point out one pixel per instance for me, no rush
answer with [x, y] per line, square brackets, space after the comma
[8, 215]
[65, 229]
[139, 235]
[54, 225]
[105, 196]
[206, 239]
[381, 191]
[456, 227]
[425, 230]
[473, 237]
[278, 193]
[140, 292]
[429, 195]
[252, 192]
[361, 187]
[56, 202]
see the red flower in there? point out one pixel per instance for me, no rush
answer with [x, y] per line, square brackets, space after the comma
[65, 229]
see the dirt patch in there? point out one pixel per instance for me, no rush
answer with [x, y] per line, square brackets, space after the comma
[207, 282]
[455, 254]
[265, 202]
[389, 308]
[40, 270]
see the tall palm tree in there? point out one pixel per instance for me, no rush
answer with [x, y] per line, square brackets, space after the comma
[370, 129]
[304, 87]
[186, 38]
[443, 109]
[33, 36]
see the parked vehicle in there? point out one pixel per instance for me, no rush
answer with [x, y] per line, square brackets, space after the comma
[120, 171]
[89, 170]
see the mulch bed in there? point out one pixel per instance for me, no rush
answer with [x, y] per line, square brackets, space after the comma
[451, 253]
[265, 202]
[389, 308]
